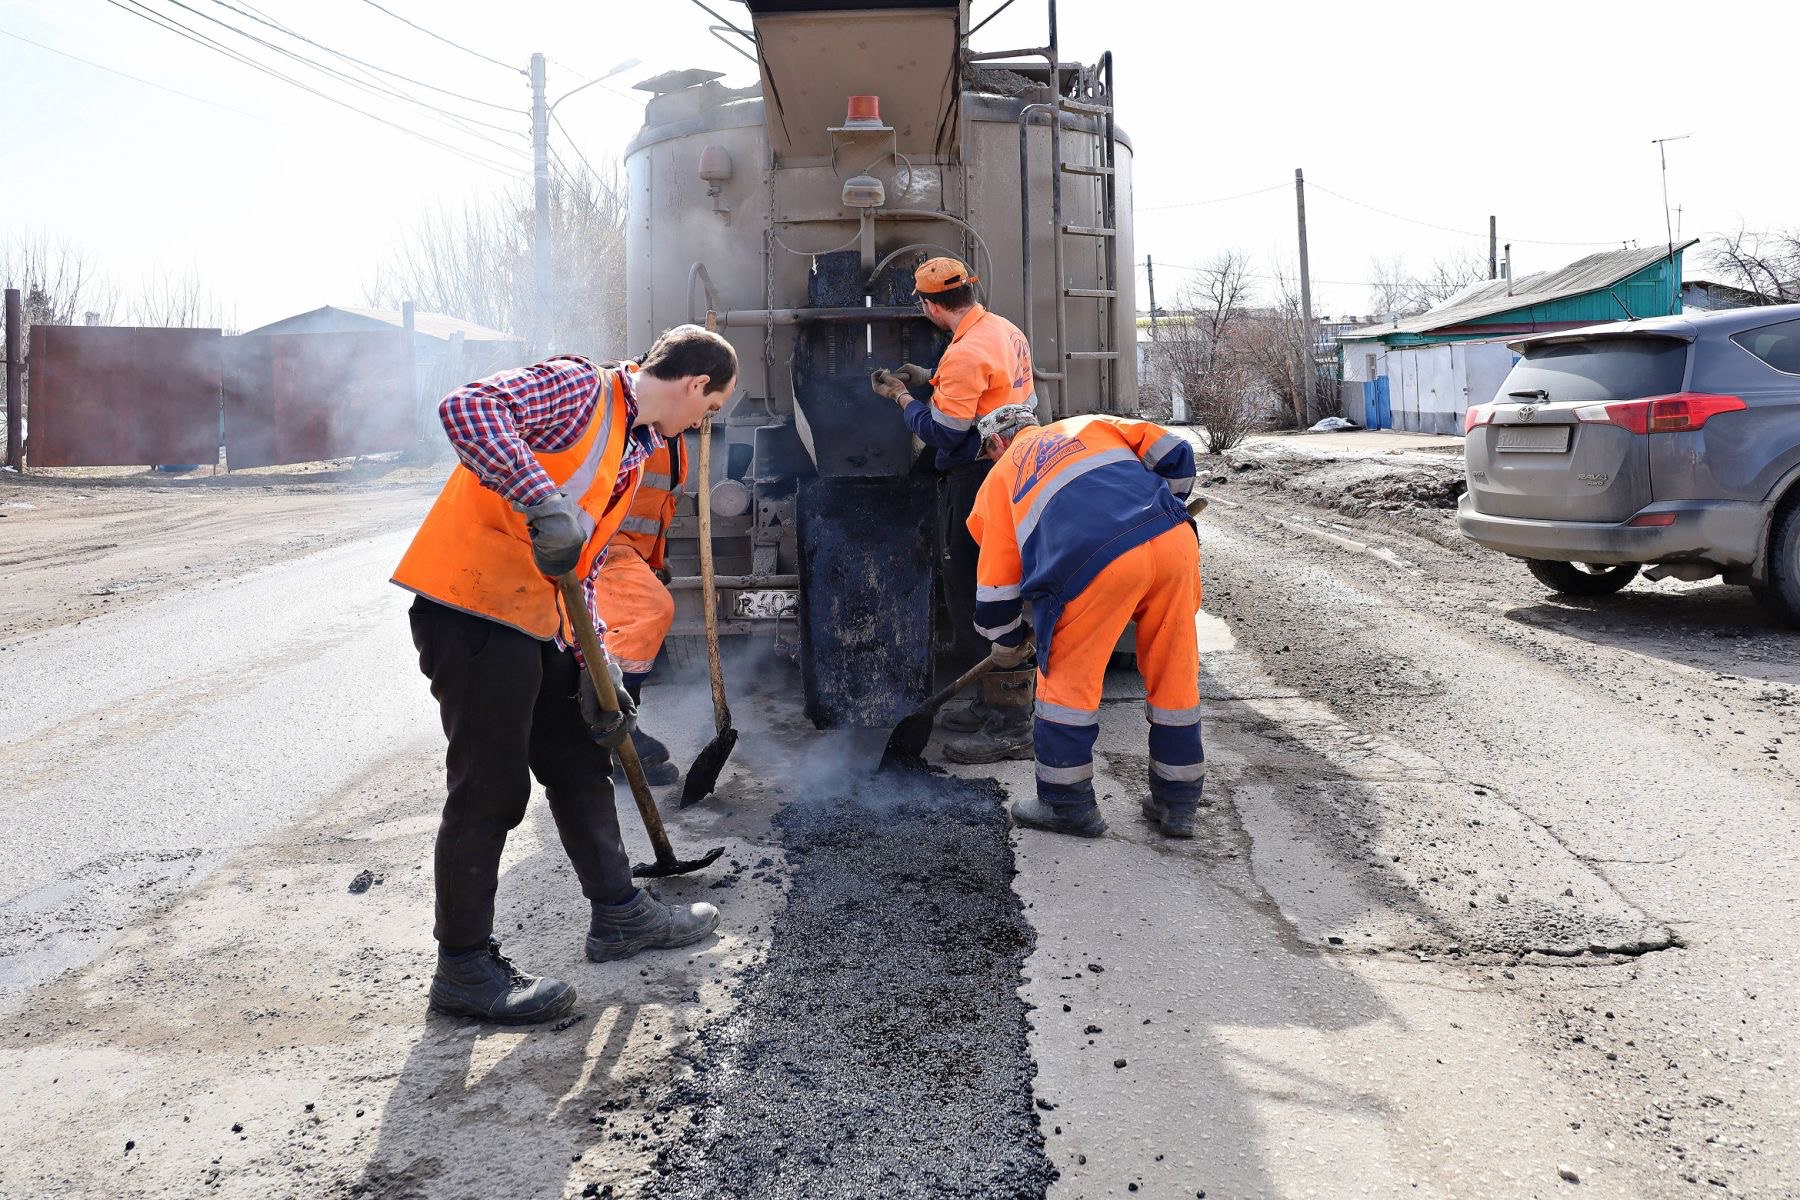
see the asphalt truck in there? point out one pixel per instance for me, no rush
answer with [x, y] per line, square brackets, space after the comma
[790, 214]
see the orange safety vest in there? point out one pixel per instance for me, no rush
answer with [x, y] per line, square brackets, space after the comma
[646, 527]
[473, 551]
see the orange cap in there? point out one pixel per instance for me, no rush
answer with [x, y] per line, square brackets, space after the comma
[941, 275]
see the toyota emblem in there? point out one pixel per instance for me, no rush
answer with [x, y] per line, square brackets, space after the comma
[1526, 412]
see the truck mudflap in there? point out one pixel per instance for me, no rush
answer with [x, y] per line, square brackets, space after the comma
[866, 598]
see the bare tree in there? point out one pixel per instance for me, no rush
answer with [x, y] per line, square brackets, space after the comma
[179, 301]
[1286, 355]
[1197, 355]
[58, 283]
[1395, 290]
[1767, 264]
[476, 264]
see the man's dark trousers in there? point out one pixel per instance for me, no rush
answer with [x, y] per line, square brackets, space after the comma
[509, 709]
[960, 485]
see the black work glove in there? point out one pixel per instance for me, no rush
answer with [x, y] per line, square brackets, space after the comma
[607, 729]
[912, 376]
[556, 535]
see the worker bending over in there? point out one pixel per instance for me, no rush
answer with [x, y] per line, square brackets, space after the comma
[550, 456]
[1082, 518]
[986, 366]
[635, 605]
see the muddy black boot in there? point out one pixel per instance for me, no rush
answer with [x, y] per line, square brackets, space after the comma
[1075, 814]
[483, 983]
[658, 770]
[1174, 817]
[646, 923]
[965, 717]
[1006, 734]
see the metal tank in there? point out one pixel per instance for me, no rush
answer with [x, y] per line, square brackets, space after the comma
[790, 215]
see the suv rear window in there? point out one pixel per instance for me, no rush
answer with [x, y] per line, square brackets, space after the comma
[1777, 345]
[1615, 368]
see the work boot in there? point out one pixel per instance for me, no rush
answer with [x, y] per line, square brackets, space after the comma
[658, 770]
[1080, 818]
[1006, 734]
[646, 923]
[1174, 817]
[483, 983]
[967, 717]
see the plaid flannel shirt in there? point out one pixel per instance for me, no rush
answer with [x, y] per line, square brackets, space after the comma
[496, 423]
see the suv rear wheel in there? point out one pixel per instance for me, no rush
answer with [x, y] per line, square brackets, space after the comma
[1582, 579]
[1782, 592]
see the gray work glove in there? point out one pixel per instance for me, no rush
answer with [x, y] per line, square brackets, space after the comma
[1006, 658]
[887, 385]
[912, 376]
[556, 535]
[608, 729]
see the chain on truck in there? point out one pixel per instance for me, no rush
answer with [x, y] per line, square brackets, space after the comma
[791, 213]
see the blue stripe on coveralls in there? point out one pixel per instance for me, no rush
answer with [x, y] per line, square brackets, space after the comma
[1028, 523]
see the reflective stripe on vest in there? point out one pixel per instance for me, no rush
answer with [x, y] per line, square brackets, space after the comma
[646, 529]
[473, 550]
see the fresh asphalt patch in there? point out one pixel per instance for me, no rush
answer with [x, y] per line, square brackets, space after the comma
[879, 1048]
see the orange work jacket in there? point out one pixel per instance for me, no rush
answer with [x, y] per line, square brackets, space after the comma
[473, 551]
[646, 527]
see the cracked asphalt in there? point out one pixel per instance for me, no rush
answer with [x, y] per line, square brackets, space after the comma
[1494, 897]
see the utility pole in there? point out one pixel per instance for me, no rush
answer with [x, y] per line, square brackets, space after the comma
[1150, 272]
[1493, 247]
[1662, 154]
[15, 384]
[1303, 392]
[540, 176]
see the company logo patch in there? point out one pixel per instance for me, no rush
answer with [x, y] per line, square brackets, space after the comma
[1038, 458]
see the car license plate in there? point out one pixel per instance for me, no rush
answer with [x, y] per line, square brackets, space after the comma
[1548, 439]
[766, 604]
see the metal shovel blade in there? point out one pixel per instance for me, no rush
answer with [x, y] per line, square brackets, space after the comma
[676, 866]
[703, 776]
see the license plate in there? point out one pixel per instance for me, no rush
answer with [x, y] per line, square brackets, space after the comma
[766, 604]
[1548, 439]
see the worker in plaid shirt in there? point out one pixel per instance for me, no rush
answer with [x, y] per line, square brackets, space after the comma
[550, 457]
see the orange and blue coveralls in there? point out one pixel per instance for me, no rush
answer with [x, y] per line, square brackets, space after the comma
[1085, 519]
[986, 365]
[634, 605]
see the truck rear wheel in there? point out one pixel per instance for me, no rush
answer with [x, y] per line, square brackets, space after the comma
[1782, 592]
[1581, 579]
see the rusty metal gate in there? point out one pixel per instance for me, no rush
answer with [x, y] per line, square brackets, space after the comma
[104, 396]
[305, 397]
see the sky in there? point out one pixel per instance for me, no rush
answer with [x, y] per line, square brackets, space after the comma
[1412, 121]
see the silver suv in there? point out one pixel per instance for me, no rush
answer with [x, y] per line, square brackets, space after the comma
[1671, 444]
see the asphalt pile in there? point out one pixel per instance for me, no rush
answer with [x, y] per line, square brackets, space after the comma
[880, 1047]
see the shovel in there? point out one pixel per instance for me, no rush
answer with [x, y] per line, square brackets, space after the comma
[906, 744]
[703, 776]
[666, 863]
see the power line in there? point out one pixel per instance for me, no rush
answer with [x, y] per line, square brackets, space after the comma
[376, 87]
[260, 18]
[1447, 229]
[137, 9]
[570, 138]
[1279, 187]
[135, 79]
[440, 37]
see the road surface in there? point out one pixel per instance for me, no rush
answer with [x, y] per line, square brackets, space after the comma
[1494, 898]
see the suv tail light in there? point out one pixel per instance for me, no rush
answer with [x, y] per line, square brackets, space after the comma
[1682, 412]
[1478, 414]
